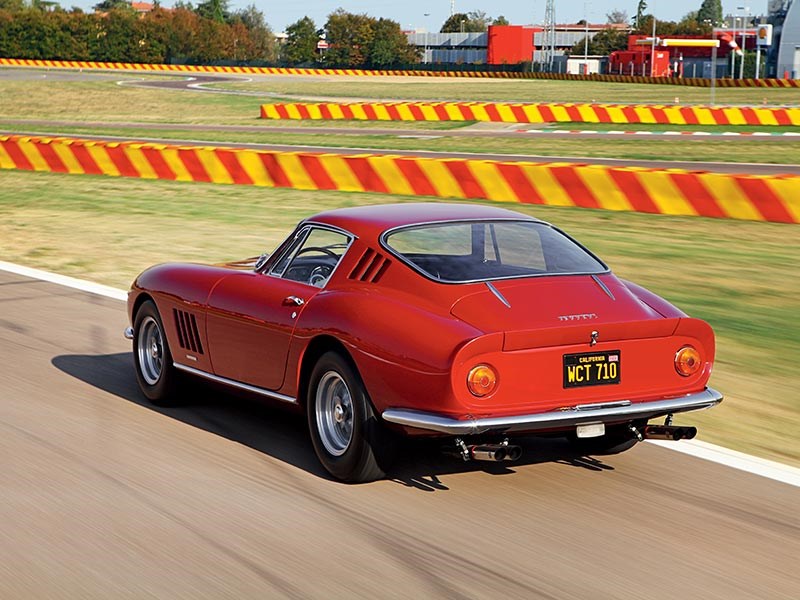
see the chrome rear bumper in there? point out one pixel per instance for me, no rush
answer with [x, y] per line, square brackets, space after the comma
[587, 413]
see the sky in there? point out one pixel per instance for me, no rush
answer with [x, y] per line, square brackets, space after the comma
[430, 14]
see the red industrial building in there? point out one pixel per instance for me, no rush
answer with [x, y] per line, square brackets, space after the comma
[666, 62]
[510, 44]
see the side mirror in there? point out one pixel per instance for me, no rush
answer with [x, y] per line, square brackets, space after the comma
[262, 260]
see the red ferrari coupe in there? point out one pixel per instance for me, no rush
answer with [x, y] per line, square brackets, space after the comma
[455, 320]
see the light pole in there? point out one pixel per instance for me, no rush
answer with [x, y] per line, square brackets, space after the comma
[427, 33]
[733, 52]
[744, 33]
[586, 38]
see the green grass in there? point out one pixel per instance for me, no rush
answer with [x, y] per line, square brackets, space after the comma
[667, 148]
[740, 276]
[669, 127]
[531, 90]
[102, 101]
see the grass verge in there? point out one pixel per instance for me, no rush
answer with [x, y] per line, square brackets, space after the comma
[525, 90]
[740, 276]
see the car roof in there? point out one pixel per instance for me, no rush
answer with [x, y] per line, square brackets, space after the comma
[371, 221]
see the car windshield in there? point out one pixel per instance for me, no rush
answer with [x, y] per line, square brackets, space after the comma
[476, 251]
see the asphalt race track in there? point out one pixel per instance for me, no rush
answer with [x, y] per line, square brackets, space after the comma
[104, 496]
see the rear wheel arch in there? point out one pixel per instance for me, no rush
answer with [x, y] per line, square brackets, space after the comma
[316, 348]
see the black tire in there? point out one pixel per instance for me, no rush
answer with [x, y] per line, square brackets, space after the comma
[617, 439]
[348, 438]
[155, 373]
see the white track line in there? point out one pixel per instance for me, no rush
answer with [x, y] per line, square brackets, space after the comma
[70, 282]
[717, 454]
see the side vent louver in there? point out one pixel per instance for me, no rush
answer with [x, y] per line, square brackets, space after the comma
[188, 336]
[370, 267]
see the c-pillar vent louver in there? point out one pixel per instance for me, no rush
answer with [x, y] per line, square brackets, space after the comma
[370, 267]
[188, 336]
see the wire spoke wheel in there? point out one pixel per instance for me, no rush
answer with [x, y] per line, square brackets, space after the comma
[334, 413]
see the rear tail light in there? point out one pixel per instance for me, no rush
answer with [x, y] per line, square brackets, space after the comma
[482, 380]
[687, 361]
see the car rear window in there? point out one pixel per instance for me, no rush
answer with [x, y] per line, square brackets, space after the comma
[478, 251]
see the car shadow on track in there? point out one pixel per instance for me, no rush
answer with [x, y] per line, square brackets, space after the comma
[270, 428]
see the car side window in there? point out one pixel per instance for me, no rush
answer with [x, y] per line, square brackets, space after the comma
[312, 256]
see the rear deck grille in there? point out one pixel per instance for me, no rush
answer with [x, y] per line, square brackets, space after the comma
[370, 267]
[188, 335]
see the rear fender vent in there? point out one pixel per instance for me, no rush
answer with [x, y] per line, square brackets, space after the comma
[370, 267]
[188, 336]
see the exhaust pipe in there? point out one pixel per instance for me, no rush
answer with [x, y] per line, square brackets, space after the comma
[495, 452]
[669, 432]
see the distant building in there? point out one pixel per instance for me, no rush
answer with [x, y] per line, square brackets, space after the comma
[784, 55]
[504, 44]
[450, 48]
[142, 7]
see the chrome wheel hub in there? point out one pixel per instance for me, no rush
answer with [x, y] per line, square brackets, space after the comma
[338, 413]
[334, 413]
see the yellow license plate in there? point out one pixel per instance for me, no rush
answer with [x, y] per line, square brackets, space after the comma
[592, 368]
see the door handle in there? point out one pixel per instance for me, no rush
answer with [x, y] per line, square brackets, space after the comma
[293, 301]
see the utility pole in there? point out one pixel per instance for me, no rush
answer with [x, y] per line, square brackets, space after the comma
[549, 34]
[586, 37]
[653, 49]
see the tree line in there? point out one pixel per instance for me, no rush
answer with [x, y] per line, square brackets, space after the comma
[202, 34]
[117, 33]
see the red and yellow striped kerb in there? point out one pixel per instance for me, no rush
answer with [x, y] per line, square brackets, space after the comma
[507, 112]
[688, 81]
[672, 192]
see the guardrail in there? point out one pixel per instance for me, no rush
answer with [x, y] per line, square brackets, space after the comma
[665, 191]
[508, 112]
[243, 70]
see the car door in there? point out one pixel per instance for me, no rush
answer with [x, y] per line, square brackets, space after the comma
[252, 315]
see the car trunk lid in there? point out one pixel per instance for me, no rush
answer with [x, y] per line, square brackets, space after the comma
[561, 310]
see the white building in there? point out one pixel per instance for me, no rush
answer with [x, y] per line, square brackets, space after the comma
[784, 57]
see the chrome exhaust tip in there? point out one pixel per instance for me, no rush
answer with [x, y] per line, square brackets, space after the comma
[495, 452]
[488, 452]
[513, 453]
[128, 333]
[669, 432]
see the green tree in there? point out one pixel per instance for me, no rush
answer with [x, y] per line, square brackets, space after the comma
[349, 37]
[662, 27]
[640, 8]
[603, 43]
[472, 22]
[12, 6]
[710, 12]
[182, 33]
[453, 23]
[691, 25]
[501, 20]
[617, 17]
[300, 47]
[258, 41]
[107, 5]
[389, 46]
[215, 10]
[112, 38]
